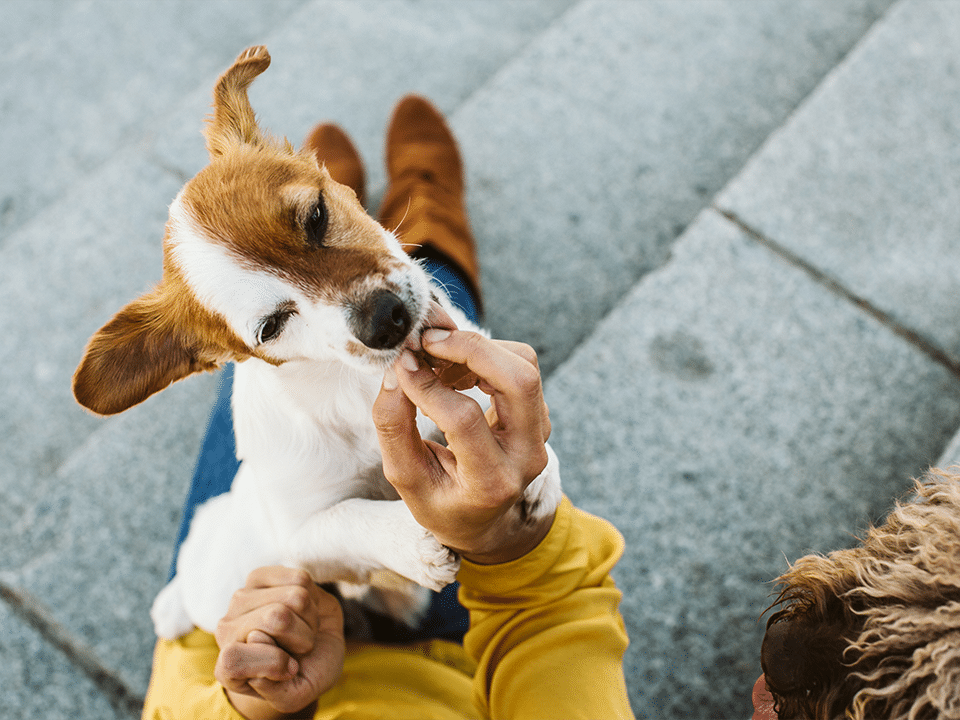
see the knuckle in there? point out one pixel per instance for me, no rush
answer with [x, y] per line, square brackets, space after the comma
[301, 578]
[328, 604]
[389, 430]
[528, 381]
[529, 354]
[253, 577]
[298, 599]
[522, 350]
[472, 340]
[383, 417]
[277, 618]
[467, 418]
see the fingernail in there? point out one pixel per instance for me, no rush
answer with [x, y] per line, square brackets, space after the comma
[435, 335]
[389, 379]
[408, 361]
[292, 667]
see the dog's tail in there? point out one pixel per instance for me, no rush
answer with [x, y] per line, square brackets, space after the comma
[168, 613]
[233, 121]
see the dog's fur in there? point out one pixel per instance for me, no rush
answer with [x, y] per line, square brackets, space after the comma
[874, 631]
[270, 263]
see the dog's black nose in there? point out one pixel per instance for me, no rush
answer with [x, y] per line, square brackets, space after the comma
[384, 321]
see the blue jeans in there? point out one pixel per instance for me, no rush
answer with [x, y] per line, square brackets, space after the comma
[217, 465]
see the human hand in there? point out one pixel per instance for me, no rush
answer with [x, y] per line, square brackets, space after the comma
[281, 644]
[467, 493]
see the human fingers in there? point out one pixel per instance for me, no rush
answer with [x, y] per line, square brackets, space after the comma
[277, 583]
[274, 575]
[530, 355]
[317, 670]
[510, 374]
[470, 442]
[240, 662]
[290, 613]
[403, 451]
[505, 368]
[521, 349]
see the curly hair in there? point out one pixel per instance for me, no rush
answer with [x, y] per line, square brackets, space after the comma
[874, 631]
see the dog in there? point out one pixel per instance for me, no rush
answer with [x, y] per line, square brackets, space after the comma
[268, 262]
[874, 631]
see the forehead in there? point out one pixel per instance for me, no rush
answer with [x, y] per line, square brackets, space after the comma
[253, 204]
[251, 199]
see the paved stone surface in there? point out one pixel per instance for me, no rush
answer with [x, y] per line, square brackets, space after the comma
[117, 504]
[38, 682]
[729, 413]
[590, 153]
[864, 182]
[738, 406]
[79, 79]
[323, 69]
[950, 455]
[95, 250]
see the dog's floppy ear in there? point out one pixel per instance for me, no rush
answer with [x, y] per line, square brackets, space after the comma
[233, 121]
[136, 354]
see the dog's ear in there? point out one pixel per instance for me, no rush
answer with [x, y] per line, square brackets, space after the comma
[233, 121]
[136, 354]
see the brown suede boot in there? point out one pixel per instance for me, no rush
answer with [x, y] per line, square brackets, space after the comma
[424, 201]
[334, 149]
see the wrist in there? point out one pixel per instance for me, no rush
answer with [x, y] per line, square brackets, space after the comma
[527, 523]
[525, 538]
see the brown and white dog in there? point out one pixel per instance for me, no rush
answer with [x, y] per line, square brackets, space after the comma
[270, 263]
[874, 631]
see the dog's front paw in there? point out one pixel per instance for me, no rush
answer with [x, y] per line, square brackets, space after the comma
[544, 494]
[437, 566]
[170, 619]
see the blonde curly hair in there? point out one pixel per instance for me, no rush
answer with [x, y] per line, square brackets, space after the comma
[874, 631]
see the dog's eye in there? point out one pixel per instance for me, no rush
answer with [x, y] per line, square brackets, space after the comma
[273, 326]
[316, 224]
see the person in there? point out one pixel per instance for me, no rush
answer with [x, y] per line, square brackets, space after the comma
[544, 639]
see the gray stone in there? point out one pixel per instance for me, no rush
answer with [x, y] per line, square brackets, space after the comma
[36, 681]
[93, 251]
[864, 182]
[592, 150]
[118, 499]
[79, 79]
[731, 413]
[951, 455]
[90, 506]
[349, 62]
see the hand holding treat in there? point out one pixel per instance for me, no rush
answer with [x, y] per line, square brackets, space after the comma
[452, 374]
[468, 492]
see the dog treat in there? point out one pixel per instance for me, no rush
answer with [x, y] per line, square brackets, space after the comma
[451, 374]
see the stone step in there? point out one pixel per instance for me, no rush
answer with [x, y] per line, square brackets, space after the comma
[774, 387]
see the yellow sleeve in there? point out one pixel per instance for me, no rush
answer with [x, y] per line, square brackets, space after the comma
[182, 683]
[545, 629]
